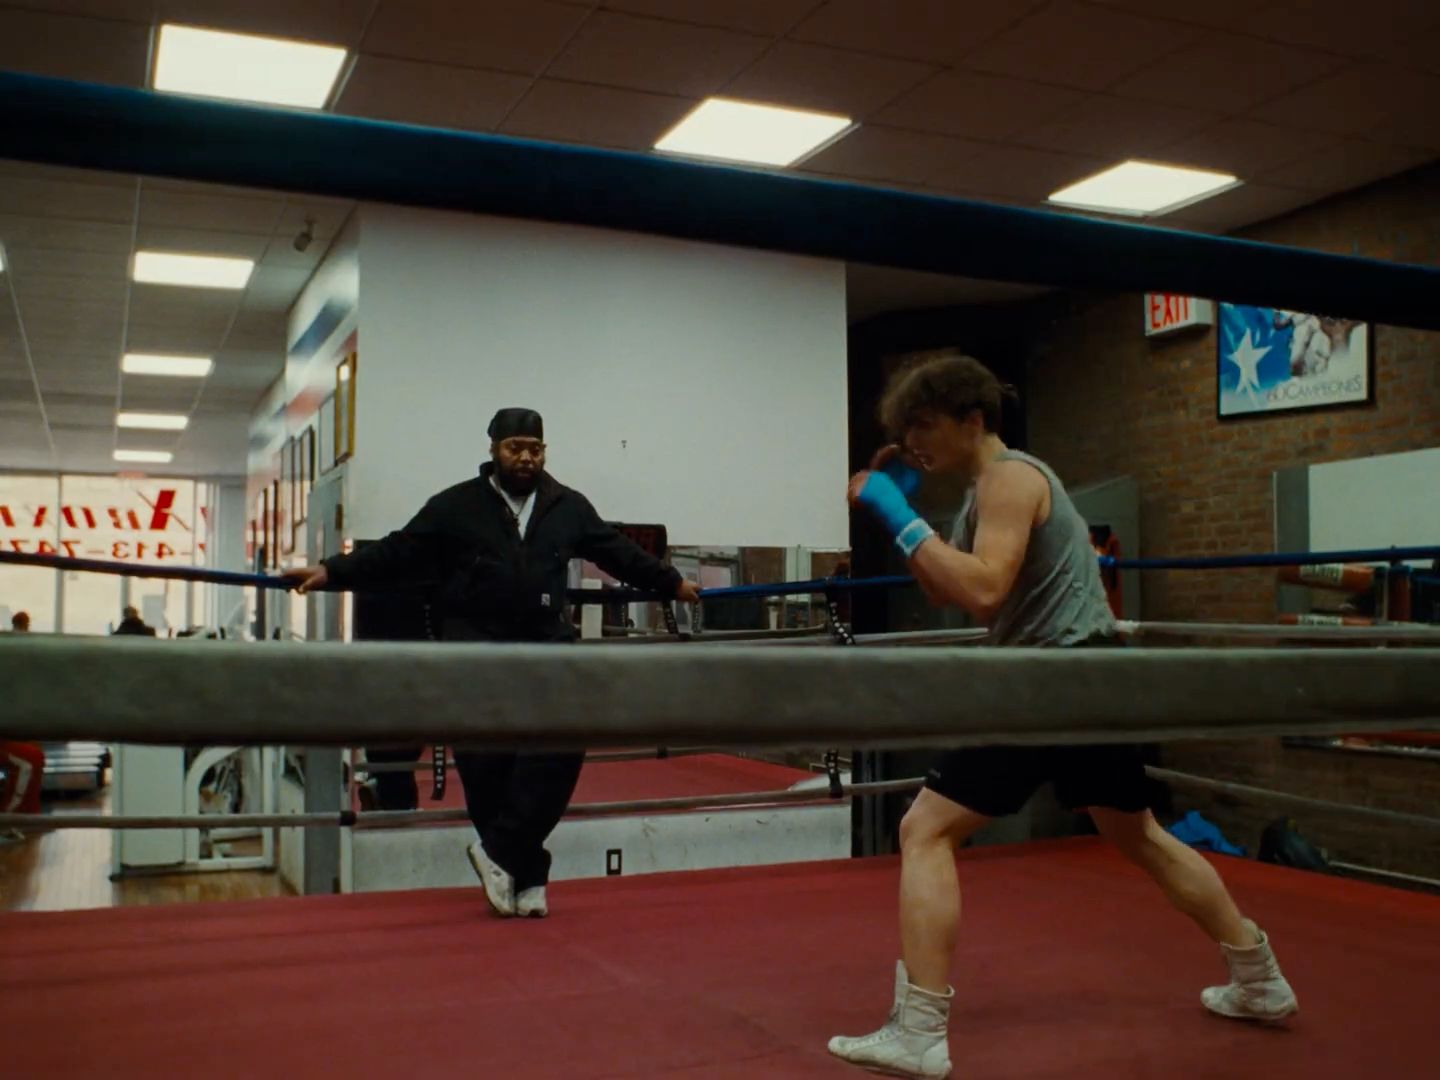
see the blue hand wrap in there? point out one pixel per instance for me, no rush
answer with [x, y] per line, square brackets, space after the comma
[884, 498]
[906, 478]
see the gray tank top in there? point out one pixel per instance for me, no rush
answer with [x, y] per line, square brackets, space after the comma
[1057, 598]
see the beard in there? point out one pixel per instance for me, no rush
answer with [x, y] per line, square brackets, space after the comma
[516, 483]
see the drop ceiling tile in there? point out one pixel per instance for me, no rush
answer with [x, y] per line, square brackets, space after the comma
[1220, 14]
[768, 17]
[1355, 100]
[938, 31]
[207, 189]
[611, 49]
[1079, 45]
[247, 371]
[979, 106]
[158, 336]
[1245, 148]
[595, 115]
[26, 170]
[434, 95]
[31, 263]
[1228, 73]
[201, 311]
[1116, 127]
[1346, 164]
[1419, 128]
[49, 315]
[64, 199]
[72, 47]
[70, 294]
[1015, 173]
[828, 80]
[60, 235]
[274, 288]
[328, 22]
[281, 252]
[138, 11]
[156, 395]
[878, 153]
[208, 213]
[1420, 50]
[202, 242]
[325, 216]
[1345, 26]
[503, 35]
[95, 416]
[1241, 206]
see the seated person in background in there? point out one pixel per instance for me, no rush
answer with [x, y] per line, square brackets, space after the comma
[20, 622]
[131, 623]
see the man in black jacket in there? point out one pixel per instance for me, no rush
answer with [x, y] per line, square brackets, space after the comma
[496, 551]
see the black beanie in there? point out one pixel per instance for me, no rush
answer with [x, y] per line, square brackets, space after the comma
[516, 423]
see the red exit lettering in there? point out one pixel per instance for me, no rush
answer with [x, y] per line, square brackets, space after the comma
[1167, 310]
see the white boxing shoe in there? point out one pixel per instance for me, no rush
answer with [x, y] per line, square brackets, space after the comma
[1257, 990]
[530, 903]
[499, 886]
[914, 1040]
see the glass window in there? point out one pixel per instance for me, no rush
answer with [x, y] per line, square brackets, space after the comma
[28, 524]
[139, 521]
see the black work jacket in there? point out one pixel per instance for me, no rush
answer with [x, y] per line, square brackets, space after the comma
[485, 580]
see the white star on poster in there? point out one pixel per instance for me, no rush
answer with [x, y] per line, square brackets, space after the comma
[1247, 358]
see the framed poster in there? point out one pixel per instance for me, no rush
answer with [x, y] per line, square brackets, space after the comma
[266, 537]
[306, 474]
[345, 408]
[286, 515]
[325, 438]
[1270, 360]
[274, 546]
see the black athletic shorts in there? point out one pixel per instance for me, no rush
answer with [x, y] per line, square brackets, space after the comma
[999, 780]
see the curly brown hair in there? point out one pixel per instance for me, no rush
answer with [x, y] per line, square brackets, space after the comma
[948, 383]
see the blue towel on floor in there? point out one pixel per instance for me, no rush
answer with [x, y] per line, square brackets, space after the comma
[1203, 835]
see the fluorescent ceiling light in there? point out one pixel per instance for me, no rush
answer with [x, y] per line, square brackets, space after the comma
[152, 421]
[758, 134]
[245, 67]
[192, 271]
[1143, 188]
[183, 367]
[151, 457]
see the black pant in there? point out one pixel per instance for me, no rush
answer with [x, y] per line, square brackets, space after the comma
[515, 801]
[395, 790]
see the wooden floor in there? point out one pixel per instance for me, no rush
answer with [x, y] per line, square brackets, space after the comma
[70, 868]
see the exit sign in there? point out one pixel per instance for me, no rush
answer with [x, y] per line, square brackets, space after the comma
[1166, 313]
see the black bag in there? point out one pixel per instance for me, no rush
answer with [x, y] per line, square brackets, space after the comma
[1282, 845]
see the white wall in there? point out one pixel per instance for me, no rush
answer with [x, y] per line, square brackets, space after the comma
[1392, 500]
[698, 386]
[293, 398]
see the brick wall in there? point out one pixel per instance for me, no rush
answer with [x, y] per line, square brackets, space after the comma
[1103, 401]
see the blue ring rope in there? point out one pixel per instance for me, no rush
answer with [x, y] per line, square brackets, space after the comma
[84, 125]
[738, 592]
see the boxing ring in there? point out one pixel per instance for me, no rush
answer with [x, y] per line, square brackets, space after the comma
[1070, 965]
[740, 971]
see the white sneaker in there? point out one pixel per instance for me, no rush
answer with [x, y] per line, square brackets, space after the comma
[530, 903]
[913, 1041]
[1257, 990]
[499, 886]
